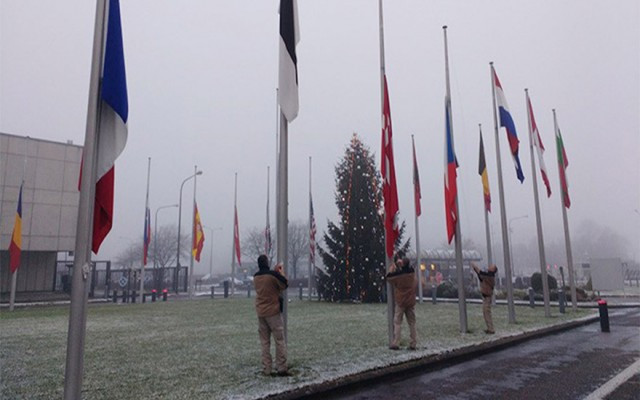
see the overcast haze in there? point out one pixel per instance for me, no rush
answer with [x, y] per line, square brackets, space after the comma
[202, 77]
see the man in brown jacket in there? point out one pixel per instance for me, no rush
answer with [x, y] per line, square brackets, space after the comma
[269, 285]
[487, 283]
[403, 279]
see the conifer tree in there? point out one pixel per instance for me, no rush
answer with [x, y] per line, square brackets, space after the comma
[354, 246]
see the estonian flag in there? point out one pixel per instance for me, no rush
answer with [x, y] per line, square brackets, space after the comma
[112, 129]
[288, 76]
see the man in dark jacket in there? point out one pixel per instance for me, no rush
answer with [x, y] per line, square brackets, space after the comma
[269, 285]
[487, 283]
[403, 279]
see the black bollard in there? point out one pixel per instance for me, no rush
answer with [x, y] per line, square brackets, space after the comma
[300, 291]
[133, 296]
[434, 294]
[144, 297]
[604, 315]
[125, 296]
[532, 299]
[213, 290]
[226, 289]
[249, 292]
[153, 295]
[115, 296]
[165, 292]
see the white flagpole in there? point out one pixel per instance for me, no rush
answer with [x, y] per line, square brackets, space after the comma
[462, 303]
[503, 211]
[565, 220]
[536, 200]
[193, 225]
[146, 207]
[415, 209]
[283, 214]
[82, 255]
[233, 242]
[311, 255]
[388, 260]
[267, 241]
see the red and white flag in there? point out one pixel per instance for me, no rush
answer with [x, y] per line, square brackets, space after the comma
[537, 143]
[389, 187]
[236, 236]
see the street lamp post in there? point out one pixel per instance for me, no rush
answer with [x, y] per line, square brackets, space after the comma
[155, 237]
[211, 252]
[177, 274]
[511, 241]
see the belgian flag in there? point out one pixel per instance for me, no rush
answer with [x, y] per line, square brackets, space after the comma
[482, 171]
[15, 248]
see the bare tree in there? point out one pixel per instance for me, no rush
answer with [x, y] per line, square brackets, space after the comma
[253, 245]
[298, 246]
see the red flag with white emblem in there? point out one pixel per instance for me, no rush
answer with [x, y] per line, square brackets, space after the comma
[389, 187]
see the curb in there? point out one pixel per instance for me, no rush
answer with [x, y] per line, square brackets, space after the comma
[434, 361]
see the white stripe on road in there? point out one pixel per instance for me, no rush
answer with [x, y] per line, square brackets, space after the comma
[608, 388]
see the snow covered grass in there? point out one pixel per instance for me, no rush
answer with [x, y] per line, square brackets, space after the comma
[209, 349]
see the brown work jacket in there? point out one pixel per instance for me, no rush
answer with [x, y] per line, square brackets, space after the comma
[404, 285]
[487, 283]
[269, 285]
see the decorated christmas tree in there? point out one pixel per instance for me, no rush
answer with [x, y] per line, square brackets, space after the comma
[354, 246]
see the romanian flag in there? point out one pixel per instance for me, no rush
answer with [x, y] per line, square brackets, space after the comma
[450, 175]
[482, 171]
[198, 235]
[15, 248]
[506, 121]
[563, 163]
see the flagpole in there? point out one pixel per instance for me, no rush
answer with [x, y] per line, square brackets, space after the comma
[193, 225]
[146, 207]
[565, 220]
[416, 200]
[462, 304]
[388, 260]
[311, 255]
[82, 253]
[536, 200]
[503, 211]
[267, 229]
[283, 216]
[233, 242]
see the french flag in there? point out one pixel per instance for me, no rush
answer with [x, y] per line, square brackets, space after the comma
[450, 175]
[112, 130]
[506, 121]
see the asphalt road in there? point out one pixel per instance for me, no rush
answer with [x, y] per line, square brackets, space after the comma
[567, 365]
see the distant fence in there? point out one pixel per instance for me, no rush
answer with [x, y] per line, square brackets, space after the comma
[105, 279]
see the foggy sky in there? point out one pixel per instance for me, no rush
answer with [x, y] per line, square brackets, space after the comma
[202, 77]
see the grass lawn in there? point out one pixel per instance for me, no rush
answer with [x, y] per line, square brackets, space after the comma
[209, 349]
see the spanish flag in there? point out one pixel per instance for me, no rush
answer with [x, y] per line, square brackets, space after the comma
[15, 248]
[198, 236]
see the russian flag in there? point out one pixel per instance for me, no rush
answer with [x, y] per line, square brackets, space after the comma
[506, 121]
[112, 130]
[450, 175]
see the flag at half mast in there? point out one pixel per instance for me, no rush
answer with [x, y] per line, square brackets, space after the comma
[15, 247]
[537, 142]
[563, 163]
[288, 72]
[417, 195]
[482, 171]
[450, 176]
[198, 235]
[112, 125]
[389, 186]
[506, 121]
